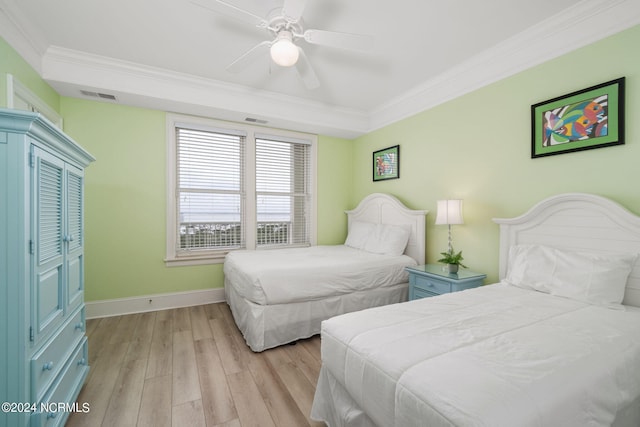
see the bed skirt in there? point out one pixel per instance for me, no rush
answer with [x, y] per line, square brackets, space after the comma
[267, 326]
[333, 404]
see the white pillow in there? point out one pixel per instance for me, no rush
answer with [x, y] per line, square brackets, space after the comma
[388, 240]
[359, 232]
[530, 267]
[598, 279]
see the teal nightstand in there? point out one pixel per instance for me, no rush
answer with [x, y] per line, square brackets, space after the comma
[430, 280]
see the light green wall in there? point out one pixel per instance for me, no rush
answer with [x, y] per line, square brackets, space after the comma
[126, 201]
[334, 189]
[12, 63]
[477, 147]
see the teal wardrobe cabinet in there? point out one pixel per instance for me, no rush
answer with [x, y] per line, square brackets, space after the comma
[43, 351]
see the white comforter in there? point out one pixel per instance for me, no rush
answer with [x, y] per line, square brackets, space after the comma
[492, 356]
[291, 275]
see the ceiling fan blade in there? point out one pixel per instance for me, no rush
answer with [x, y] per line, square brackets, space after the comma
[292, 9]
[224, 8]
[339, 40]
[249, 56]
[308, 76]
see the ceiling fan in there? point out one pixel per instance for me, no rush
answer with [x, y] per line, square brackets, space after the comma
[286, 27]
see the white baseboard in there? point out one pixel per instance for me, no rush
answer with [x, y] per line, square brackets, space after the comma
[141, 304]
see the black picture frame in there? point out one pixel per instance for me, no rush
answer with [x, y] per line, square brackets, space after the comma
[582, 120]
[386, 163]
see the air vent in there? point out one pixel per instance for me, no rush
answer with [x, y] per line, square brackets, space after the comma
[253, 120]
[98, 95]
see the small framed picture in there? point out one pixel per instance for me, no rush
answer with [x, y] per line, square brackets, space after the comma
[582, 120]
[386, 163]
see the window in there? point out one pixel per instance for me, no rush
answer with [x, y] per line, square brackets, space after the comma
[283, 192]
[209, 189]
[233, 186]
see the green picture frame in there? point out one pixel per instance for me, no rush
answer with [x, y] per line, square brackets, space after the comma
[583, 120]
[386, 163]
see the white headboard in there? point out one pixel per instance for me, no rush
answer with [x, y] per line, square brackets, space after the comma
[382, 208]
[580, 222]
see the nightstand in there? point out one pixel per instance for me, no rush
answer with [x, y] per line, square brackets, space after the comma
[431, 280]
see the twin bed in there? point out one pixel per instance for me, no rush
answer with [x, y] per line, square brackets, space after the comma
[279, 296]
[555, 343]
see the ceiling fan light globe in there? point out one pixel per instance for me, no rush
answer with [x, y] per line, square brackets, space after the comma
[284, 52]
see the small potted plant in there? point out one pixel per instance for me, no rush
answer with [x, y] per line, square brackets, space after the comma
[453, 260]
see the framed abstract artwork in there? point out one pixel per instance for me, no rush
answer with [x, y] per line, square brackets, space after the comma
[386, 163]
[582, 120]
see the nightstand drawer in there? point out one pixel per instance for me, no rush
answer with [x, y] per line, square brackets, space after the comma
[419, 293]
[430, 280]
[432, 286]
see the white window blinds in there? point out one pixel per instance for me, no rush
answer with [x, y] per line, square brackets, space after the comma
[235, 186]
[283, 192]
[210, 193]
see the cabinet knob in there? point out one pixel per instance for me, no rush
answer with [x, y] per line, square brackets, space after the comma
[82, 362]
[80, 325]
[47, 366]
[51, 415]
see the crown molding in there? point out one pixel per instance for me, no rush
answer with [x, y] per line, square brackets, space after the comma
[590, 21]
[174, 91]
[28, 44]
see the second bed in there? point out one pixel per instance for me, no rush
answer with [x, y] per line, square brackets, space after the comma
[279, 296]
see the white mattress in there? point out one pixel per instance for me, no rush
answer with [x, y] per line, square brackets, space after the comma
[302, 274]
[492, 356]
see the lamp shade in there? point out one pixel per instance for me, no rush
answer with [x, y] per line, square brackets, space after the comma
[284, 52]
[449, 212]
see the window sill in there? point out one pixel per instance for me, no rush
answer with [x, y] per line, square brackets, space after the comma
[194, 260]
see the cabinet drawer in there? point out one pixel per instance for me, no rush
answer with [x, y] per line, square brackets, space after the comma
[60, 399]
[48, 361]
[432, 286]
[419, 293]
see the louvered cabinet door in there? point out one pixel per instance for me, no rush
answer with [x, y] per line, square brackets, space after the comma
[74, 236]
[47, 245]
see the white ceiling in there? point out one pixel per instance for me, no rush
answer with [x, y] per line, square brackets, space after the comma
[171, 54]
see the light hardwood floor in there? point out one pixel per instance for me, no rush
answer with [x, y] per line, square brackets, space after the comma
[191, 367]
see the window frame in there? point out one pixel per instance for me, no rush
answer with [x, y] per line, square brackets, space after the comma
[172, 257]
[21, 98]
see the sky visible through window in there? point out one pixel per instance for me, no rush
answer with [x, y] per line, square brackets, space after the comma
[210, 178]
